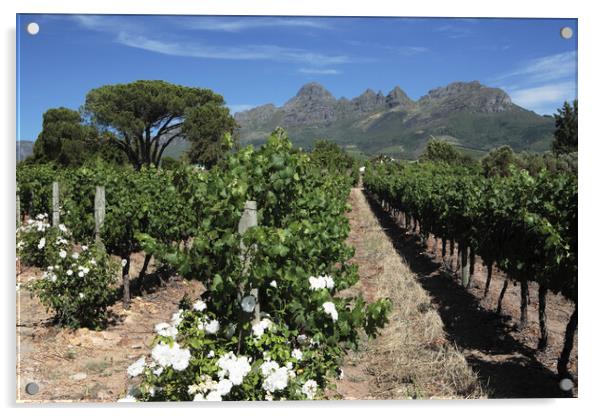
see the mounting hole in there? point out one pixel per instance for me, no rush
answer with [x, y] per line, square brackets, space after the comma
[566, 32]
[566, 384]
[33, 28]
[32, 388]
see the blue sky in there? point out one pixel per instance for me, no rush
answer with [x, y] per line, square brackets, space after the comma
[258, 60]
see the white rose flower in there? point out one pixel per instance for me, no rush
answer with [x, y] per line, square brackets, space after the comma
[310, 388]
[127, 399]
[248, 303]
[173, 356]
[84, 248]
[63, 228]
[273, 283]
[297, 354]
[123, 262]
[329, 282]
[331, 310]
[81, 295]
[80, 274]
[199, 305]
[75, 256]
[214, 396]
[63, 254]
[166, 330]
[233, 367]
[211, 354]
[42, 243]
[212, 327]
[260, 327]
[136, 368]
[176, 318]
[223, 387]
[316, 283]
[277, 380]
[69, 272]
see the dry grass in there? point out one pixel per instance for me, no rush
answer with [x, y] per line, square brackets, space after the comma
[412, 357]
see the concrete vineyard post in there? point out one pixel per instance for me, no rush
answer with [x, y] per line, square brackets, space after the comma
[248, 220]
[99, 212]
[56, 216]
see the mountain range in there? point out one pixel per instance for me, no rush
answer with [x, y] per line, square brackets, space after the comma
[473, 117]
[470, 115]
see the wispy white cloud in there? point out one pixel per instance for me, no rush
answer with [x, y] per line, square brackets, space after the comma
[544, 99]
[404, 50]
[247, 52]
[454, 31]
[130, 34]
[319, 71]
[238, 25]
[542, 84]
[547, 68]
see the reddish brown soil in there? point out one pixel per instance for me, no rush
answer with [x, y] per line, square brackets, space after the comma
[506, 360]
[86, 365]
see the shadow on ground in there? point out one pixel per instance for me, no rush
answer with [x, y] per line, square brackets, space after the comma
[506, 368]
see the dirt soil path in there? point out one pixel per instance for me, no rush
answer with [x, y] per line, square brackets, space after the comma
[506, 361]
[413, 356]
[87, 365]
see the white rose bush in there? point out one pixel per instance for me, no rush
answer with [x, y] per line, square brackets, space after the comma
[38, 241]
[297, 260]
[76, 286]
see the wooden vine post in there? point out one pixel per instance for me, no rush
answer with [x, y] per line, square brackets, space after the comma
[465, 265]
[248, 220]
[56, 216]
[18, 208]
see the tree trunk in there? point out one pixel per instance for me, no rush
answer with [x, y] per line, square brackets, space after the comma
[460, 253]
[489, 275]
[524, 295]
[435, 247]
[142, 274]
[443, 249]
[569, 336]
[465, 266]
[125, 276]
[471, 261]
[147, 259]
[501, 298]
[452, 249]
[543, 329]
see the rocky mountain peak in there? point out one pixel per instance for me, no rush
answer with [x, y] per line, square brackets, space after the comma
[468, 95]
[398, 98]
[312, 92]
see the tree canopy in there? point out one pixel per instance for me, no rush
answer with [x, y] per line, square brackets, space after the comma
[147, 116]
[565, 136]
[67, 141]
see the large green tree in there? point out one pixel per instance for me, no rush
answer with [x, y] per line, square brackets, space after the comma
[565, 136]
[67, 141]
[147, 116]
[210, 131]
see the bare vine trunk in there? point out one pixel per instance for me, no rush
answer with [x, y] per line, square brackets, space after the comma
[569, 336]
[501, 298]
[489, 275]
[125, 276]
[524, 302]
[543, 329]
[465, 266]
